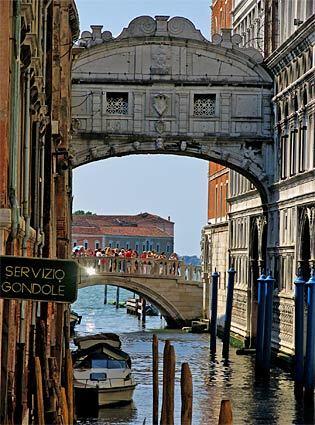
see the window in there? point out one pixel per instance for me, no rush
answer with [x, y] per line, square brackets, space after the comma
[157, 247]
[302, 142]
[74, 243]
[97, 244]
[110, 244]
[137, 246]
[204, 105]
[151, 247]
[283, 149]
[292, 153]
[147, 244]
[216, 203]
[117, 103]
[127, 245]
[168, 248]
[85, 244]
[143, 247]
[117, 245]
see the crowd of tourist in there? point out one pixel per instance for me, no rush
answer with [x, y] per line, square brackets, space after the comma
[120, 260]
[122, 253]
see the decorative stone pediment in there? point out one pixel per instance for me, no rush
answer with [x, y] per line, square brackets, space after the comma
[145, 26]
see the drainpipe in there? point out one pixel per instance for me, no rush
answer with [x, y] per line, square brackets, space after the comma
[15, 97]
[26, 176]
[42, 175]
[42, 146]
[45, 41]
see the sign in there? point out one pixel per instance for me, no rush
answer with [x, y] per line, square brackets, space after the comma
[38, 279]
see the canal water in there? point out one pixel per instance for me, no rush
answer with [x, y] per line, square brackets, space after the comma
[253, 402]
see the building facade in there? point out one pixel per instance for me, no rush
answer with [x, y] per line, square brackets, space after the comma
[141, 232]
[283, 34]
[35, 62]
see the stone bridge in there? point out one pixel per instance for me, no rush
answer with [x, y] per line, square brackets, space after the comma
[160, 87]
[172, 286]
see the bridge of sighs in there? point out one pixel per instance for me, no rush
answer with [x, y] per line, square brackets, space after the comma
[161, 87]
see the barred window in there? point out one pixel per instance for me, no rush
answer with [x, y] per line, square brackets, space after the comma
[117, 103]
[204, 105]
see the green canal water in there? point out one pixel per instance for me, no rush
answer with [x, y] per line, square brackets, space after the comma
[253, 402]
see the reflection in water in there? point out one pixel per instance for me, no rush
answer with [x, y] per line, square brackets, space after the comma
[254, 401]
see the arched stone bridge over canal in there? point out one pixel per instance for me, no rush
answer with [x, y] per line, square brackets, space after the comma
[160, 87]
[175, 288]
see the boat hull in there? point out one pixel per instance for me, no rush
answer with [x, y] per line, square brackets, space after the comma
[106, 396]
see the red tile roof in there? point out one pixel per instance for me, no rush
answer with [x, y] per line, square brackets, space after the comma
[143, 224]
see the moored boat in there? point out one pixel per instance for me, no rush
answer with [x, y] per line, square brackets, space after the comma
[87, 341]
[103, 373]
[75, 319]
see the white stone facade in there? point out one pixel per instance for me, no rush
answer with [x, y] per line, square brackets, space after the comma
[291, 220]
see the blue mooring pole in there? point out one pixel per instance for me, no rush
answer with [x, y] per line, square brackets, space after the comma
[269, 283]
[214, 309]
[228, 312]
[310, 339]
[260, 321]
[299, 328]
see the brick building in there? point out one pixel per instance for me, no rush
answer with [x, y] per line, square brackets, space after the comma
[141, 232]
[36, 40]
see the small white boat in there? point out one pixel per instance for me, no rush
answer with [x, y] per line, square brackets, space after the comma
[87, 341]
[103, 373]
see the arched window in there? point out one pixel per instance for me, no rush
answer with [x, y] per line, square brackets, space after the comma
[97, 244]
[75, 243]
[85, 244]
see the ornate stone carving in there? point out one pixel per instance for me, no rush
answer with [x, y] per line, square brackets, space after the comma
[160, 103]
[160, 127]
[160, 60]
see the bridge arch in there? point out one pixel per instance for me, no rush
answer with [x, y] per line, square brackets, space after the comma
[161, 88]
[172, 313]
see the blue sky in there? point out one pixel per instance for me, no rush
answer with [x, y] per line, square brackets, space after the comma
[164, 185]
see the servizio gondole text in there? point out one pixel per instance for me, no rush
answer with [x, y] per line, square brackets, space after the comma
[48, 277]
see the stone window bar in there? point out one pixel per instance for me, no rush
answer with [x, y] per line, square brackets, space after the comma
[117, 103]
[204, 105]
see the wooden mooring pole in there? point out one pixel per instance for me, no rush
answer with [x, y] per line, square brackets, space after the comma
[187, 395]
[163, 420]
[117, 297]
[226, 415]
[105, 294]
[143, 309]
[155, 370]
[39, 393]
[170, 388]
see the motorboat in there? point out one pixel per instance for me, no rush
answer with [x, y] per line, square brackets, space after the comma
[75, 319]
[102, 375]
[87, 341]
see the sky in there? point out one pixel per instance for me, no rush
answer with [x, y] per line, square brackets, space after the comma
[165, 185]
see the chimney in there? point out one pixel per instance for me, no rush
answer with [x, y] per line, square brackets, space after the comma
[169, 218]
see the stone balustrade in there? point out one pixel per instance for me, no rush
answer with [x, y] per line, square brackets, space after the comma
[138, 267]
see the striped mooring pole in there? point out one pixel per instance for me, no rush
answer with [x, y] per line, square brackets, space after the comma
[228, 312]
[299, 283]
[310, 339]
[260, 321]
[214, 310]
